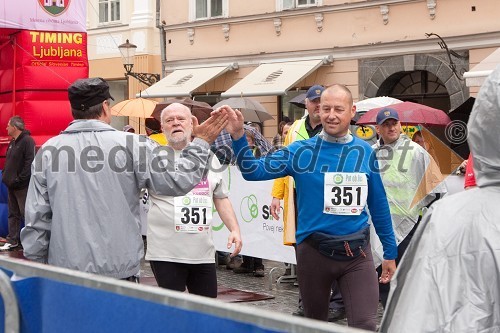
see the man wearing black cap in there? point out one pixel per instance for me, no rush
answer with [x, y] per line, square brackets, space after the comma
[408, 173]
[82, 208]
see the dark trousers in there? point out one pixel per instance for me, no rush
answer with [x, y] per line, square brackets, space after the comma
[252, 262]
[336, 302]
[356, 279]
[200, 279]
[16, 203]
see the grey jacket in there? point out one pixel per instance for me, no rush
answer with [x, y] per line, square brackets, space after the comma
[82, 208]
[448, 280]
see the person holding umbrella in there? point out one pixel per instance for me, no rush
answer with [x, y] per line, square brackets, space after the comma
[411, 179]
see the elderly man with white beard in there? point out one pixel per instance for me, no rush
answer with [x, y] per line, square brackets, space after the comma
[180, 245]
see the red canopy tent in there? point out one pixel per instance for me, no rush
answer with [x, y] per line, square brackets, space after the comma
[43, 49]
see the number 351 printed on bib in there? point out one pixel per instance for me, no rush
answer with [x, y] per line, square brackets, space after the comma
[193, 212]
[345, 193]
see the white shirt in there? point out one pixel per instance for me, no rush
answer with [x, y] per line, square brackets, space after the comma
[165, 244]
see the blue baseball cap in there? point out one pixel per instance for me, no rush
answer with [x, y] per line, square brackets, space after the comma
[386, 113]
[314, 92]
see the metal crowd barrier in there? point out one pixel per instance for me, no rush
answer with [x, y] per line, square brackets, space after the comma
[42, 298]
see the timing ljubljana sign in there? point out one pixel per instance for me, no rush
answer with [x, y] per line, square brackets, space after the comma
[63, 49]
[43, 49]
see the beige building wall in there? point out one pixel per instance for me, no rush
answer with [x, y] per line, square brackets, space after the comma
[475, 57]
[353, 32]
[346, 25]
[137, 24]
[350, 31]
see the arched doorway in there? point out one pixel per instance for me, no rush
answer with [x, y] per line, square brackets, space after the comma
[425, 78]
[418, 86]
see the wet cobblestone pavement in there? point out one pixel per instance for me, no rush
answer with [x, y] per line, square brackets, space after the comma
[286, 294]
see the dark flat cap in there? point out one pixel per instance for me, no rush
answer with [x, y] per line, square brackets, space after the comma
[85, 93]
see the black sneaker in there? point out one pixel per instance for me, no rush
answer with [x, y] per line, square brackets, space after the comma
[259, 272]
[336, 314]
[233, 262]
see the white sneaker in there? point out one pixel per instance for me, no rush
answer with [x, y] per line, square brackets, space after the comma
[8, 246]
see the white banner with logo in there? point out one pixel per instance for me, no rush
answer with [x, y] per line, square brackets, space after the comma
[44, 15]
[262, 235]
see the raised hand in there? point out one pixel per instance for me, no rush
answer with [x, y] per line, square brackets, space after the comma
[211, 127]
[235, 121]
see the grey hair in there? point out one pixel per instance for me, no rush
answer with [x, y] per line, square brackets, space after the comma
[17, 122]
[171, 107]
[93, 112]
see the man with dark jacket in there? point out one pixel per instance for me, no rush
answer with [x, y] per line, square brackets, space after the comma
[16, 176]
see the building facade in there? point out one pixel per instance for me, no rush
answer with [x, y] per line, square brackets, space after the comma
[272, 50]
[109, 24]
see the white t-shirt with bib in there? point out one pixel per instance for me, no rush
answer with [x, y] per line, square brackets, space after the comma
[179, 228]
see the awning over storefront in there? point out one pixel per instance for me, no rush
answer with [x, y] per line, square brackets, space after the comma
[275, 78]
[476, 76]
[182, 82]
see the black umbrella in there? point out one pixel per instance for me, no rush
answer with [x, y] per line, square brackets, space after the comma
[462, 112]
[299, 101]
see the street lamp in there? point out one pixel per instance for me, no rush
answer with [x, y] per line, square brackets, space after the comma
[127, 51]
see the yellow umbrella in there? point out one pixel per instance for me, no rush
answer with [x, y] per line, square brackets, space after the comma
[134, 107]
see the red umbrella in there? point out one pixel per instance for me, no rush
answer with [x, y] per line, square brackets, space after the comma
[200, 110]
[409, 114]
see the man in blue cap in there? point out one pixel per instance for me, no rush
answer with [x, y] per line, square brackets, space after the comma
[302, 129]
[411, 179]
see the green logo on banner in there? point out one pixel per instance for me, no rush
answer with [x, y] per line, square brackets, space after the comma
[249, 209]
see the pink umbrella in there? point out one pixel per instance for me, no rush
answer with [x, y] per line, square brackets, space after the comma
[409, 114]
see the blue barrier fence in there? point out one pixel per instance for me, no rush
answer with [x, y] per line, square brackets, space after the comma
[52, 299]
